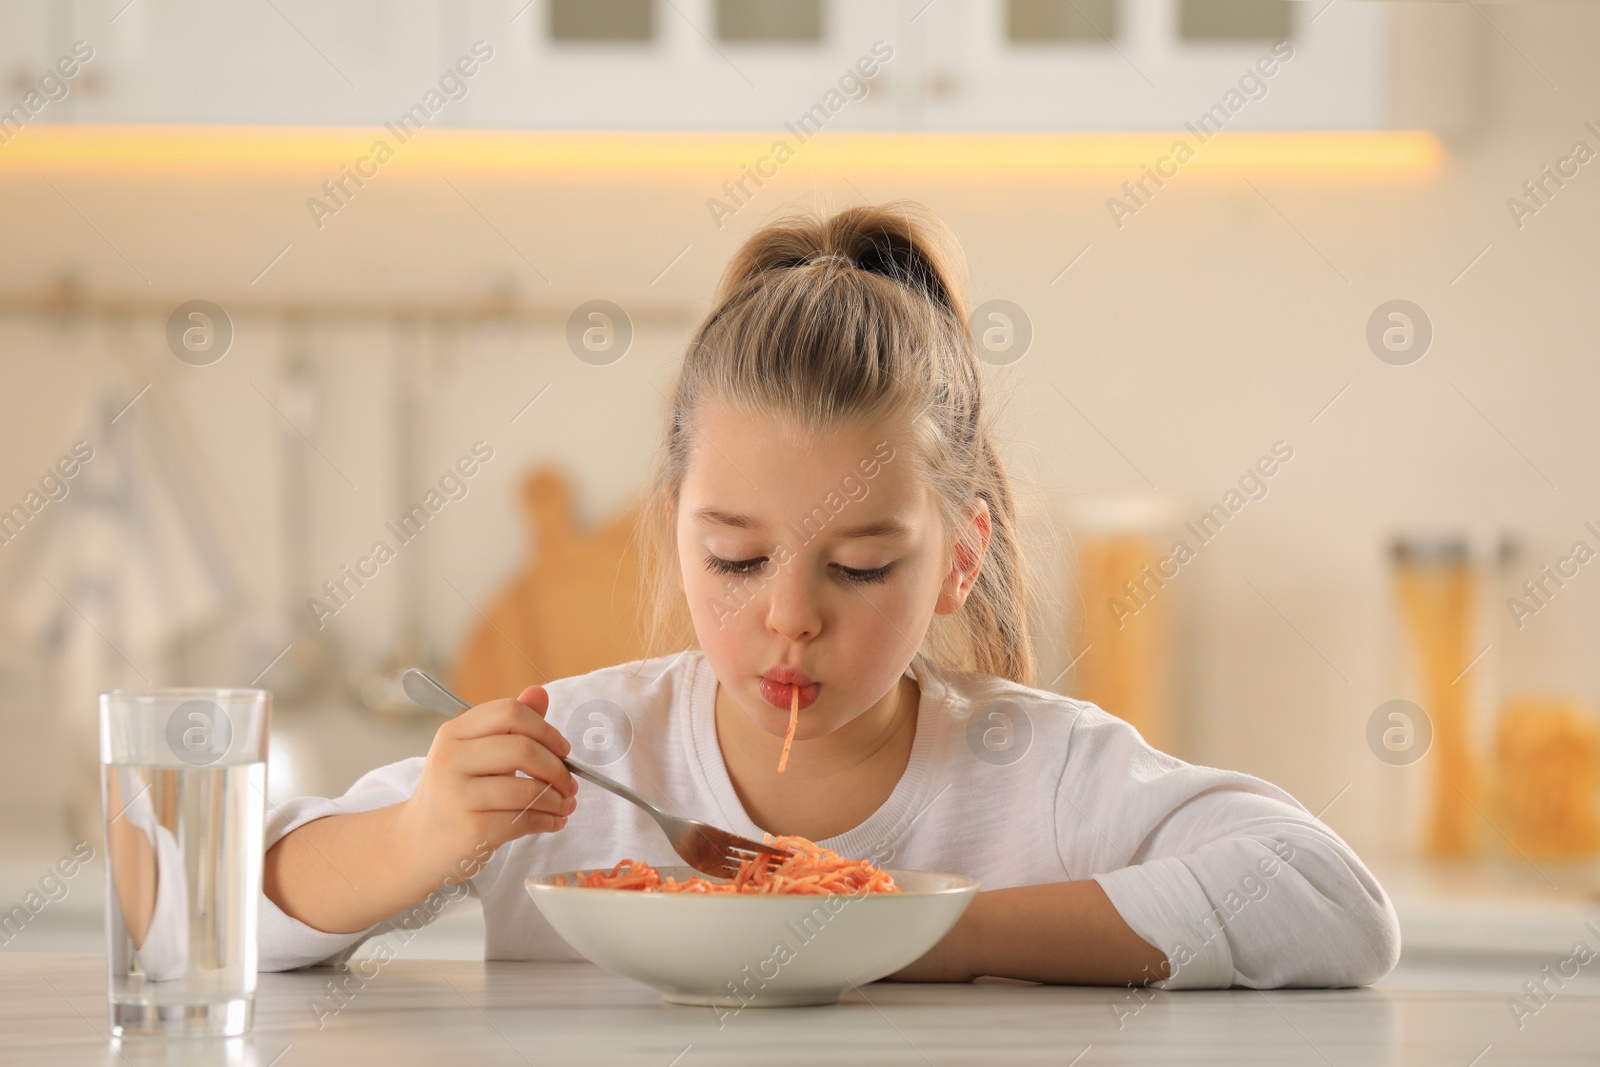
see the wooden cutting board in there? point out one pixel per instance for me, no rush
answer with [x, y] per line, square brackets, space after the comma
[573, 607]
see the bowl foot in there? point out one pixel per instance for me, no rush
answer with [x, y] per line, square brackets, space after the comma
[793, 998]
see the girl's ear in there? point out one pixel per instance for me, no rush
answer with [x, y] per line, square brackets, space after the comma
[968, 562]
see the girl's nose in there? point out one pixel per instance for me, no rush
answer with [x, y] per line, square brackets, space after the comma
[791, 607]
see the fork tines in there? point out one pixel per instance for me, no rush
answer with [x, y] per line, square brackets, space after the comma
[737, 854]
[758, 847]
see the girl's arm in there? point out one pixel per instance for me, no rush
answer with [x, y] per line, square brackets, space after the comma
[422, 825]
[1019, 933]
[343, 873]
[1197, 877]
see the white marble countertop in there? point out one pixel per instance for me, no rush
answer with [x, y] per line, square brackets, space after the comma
[53, 1011]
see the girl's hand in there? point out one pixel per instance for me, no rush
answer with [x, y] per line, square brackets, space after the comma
[469, 794]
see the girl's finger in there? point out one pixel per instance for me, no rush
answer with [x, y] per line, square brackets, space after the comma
[508, 753]
[517, 795]
[519, 824]
[508, 717]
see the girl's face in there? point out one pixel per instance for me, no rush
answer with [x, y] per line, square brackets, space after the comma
[817, 554]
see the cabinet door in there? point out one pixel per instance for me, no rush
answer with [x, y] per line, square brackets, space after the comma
[683, 72]
[1150, 64]
[291, 62]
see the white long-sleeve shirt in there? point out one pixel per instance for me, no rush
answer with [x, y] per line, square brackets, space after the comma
[1224, 872]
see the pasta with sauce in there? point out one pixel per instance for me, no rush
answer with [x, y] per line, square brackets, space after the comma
[809, 869]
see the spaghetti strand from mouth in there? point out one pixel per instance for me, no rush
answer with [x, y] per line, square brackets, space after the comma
[794, 719]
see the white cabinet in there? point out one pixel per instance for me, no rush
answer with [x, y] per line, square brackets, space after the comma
[939, 65]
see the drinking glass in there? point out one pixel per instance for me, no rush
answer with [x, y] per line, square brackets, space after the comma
[183, 779]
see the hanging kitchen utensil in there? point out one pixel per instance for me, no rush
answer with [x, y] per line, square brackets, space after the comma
[309, 660]
[377, 685]
[133, 556]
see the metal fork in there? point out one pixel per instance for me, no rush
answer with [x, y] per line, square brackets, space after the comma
[704, 847]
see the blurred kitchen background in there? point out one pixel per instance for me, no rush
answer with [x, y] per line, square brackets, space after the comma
[1341, 349]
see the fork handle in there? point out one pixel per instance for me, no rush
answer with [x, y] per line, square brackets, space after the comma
[612, 785]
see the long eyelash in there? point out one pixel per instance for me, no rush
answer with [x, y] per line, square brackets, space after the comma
[734, 566]
[745, 566]
[877, 574]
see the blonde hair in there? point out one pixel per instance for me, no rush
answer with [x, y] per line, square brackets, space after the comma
[858, 318]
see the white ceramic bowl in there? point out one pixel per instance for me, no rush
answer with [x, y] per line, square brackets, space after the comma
[734, 951]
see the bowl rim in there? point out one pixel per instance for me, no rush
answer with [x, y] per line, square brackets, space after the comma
[965, 885]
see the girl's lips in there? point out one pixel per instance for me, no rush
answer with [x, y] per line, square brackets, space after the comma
[781, 696]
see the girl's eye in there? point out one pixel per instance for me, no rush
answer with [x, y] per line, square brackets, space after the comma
[734, 566]
[876, 574]
[746, 566]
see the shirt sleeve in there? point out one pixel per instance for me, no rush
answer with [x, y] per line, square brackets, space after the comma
[1224, 872]
[286, 943]
[164, 953]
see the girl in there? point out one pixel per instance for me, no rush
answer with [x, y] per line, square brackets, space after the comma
[829, 511]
